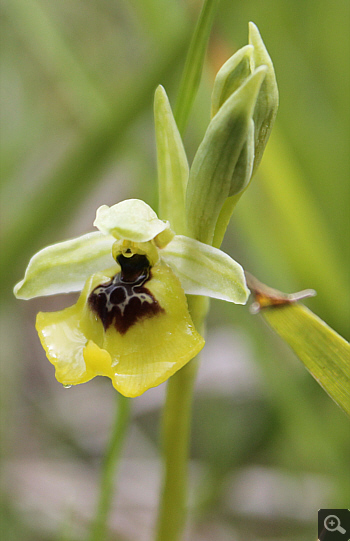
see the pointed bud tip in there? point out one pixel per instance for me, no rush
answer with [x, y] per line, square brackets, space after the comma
[253, 28]
[231, 75]
[260, 55]
[160, 91]
[254, 35]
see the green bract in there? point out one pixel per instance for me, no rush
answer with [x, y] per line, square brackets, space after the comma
[267, 102]
[212, 177]
[172, 163]
[244, 106]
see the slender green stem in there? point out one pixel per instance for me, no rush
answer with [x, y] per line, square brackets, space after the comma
[176, 429]
[176, 433]
[176, 425]
[99, 527]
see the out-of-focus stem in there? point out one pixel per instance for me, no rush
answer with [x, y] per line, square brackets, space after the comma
[176, 429]
[109, 468]
[177, 413]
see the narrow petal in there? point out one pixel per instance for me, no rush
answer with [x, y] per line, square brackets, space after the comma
[65, 267]
[204, 270]
[131, 219]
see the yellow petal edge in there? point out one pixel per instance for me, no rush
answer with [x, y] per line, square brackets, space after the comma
[147, 354]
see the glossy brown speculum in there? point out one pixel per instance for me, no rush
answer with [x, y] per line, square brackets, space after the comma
[125, 300]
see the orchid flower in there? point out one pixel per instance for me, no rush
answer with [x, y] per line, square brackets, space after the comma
[131, 322]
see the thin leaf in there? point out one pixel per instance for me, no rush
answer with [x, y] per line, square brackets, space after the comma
[46, 43]
[324, 352]
[290, 211]
[194, 63]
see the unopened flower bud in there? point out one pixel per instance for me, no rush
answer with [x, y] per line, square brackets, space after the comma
[212, 177]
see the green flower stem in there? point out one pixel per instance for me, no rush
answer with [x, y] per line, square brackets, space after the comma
[176, 435]
[176, 429]
[177, 411]
[99, 527]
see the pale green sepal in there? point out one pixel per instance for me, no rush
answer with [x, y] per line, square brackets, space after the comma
[204, 270]
[267, 102]
[64, 267]
[212, 172]
[172, 163]
[131, 219]
[230, 76]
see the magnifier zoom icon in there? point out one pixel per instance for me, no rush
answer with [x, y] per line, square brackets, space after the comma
[332, 524]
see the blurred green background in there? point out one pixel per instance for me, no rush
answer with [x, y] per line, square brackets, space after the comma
[269, 448]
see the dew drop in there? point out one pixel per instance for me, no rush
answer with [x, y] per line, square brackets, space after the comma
[67, 386]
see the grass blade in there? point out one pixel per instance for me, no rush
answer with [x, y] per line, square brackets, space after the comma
[194, 63]
[324, 352]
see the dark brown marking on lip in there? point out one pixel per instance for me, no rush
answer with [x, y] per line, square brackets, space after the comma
[124, 300]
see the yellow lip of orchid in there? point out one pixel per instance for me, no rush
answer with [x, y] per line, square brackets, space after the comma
[135, 349]
[131, 322]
